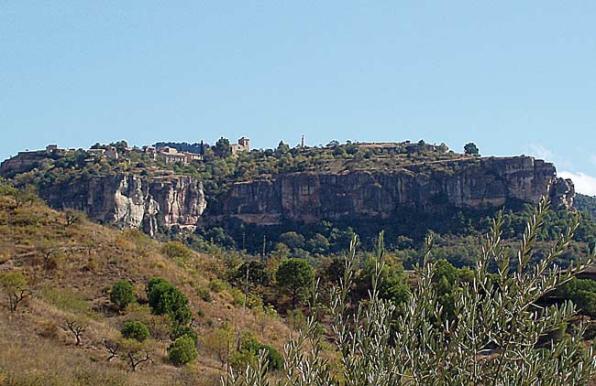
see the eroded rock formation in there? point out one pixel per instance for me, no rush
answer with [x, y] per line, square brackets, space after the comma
[132, 201]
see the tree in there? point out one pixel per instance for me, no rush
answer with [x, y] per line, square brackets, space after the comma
[282, 148]
[77, 328]
[219, 342]
[391, 283]
[135, 353]
[122, 294]
[16, 288]
[318, 244]
[222, 148]
[113, 347]
[120, 145]
[340, 152]
[133, 329]
[182, 351]
[292, 239]
[493, 339]
[471, 149]
[256, 272]
[445, 279]
[296, 276]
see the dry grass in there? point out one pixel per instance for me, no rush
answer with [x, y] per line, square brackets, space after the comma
[71, 269]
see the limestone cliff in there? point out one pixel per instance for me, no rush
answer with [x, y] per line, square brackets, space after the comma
[472, 183]
[131, 200]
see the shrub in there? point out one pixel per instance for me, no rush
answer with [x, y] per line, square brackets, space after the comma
[217, 285]
[251, 348]
[165, 299]
[73, 217]
[274, 358]
[136, 330]
[182, 351]
[242, 359]
[204, 294]
[179, 331]
[175, 249]
[122, 294]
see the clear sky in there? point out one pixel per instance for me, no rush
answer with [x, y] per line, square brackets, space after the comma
[513, 76]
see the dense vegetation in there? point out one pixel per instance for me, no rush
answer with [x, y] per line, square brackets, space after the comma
[486, 332]
[586, 204]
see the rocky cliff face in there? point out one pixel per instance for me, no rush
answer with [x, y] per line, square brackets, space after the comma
[473, 183]
[132, 201]
[154, 203]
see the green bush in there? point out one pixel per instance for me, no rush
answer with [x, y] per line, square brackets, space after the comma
[250, 348]
[179, 331]
[136, 330]
[182, 351]
[165, 299]
[122, 294]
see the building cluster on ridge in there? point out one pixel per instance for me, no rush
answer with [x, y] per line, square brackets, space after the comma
[167, 154]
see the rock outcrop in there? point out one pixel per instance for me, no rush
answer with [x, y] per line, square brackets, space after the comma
[472, 183]
[131, 200]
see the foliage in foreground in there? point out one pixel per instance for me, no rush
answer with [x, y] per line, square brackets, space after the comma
[496, 334]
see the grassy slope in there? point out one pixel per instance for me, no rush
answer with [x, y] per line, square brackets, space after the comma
[86, 259]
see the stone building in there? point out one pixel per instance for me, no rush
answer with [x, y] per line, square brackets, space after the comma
[171, 155]
[242, 145]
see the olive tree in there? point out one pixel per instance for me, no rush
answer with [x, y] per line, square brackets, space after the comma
[496, 333]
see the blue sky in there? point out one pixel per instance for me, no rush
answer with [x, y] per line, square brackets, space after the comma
[513, 76]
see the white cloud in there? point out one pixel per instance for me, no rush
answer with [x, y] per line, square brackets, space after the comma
[539, 151]
[584, 183]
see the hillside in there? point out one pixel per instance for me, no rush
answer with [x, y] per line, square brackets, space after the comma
[70, 265]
